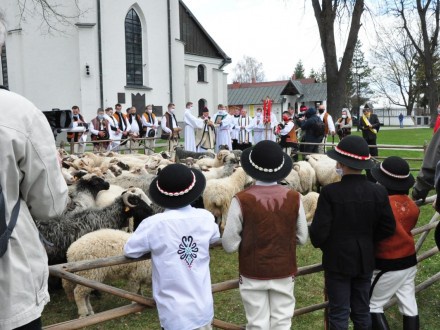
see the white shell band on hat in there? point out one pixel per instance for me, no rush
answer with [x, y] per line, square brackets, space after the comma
[393, 175]
[262, 169]
[183, 192]
[345, 153]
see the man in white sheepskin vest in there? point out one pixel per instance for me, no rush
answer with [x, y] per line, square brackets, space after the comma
[351, 217]
[265, 223]
[178, 240]
[32, 188]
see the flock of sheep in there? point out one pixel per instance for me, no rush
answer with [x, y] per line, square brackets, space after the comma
[109, 197]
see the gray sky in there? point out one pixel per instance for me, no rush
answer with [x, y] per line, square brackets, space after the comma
[277, 33]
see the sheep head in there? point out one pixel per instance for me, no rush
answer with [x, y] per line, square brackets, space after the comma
[92, 183]
[138, 205]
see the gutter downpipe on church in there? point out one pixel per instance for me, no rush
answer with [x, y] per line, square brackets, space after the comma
[101, 92]
[170, 65]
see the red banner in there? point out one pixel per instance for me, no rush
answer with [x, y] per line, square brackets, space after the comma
[267, 108]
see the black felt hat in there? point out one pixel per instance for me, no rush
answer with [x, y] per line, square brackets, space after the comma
[352, 151]
[394, 174]
[266, 161]
[177, 186]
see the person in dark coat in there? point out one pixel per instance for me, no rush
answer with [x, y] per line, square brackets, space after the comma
[370, 125]
[308, 123]
[351, 216]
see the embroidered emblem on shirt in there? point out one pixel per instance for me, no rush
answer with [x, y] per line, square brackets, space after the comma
[401, 208]
[188, 250]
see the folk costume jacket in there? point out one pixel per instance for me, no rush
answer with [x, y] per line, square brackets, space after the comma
[286, 228]
[351, 216]
[179, 244]
[398, 251]
[29, 172]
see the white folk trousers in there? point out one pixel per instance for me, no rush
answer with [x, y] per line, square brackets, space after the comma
[269, 304]
[399, 283]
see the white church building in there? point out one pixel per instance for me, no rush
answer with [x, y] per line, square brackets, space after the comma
[114, 51]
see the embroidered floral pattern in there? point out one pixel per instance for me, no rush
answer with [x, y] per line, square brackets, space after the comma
[188, 250]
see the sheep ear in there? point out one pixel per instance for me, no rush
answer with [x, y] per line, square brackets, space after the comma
[219, 156]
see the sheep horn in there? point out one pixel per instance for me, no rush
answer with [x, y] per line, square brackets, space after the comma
[145, 198]
[125, 196]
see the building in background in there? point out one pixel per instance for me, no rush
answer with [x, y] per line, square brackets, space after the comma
[284, 93]
[116, 51]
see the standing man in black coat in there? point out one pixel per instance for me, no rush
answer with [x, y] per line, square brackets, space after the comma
[370, 125]
[350, 217]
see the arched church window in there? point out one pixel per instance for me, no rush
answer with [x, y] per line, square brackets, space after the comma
[201, 73]
[133, 48]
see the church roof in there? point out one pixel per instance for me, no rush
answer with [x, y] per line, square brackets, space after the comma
[197, 40]
[256, 92]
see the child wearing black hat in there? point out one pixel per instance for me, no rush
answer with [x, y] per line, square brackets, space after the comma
[351, 216]
[265, 223]
[178, 240]
[396, 256]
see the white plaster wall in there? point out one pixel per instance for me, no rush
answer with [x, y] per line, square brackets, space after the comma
[214, 89]
[153, 15]
[47, 80]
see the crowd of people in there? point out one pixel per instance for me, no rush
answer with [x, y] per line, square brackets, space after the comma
[362, 228]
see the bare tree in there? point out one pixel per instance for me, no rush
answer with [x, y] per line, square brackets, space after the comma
[428, 12]
[52, 14]
[396, 62]
[326, 12]
[248, 69]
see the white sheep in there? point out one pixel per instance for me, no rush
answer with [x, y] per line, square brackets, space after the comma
[102, 244]
[310, 201]
[307, 176]
[325, 169]
[219, 172]
[219, 192]
[220, 159]
[292, 181]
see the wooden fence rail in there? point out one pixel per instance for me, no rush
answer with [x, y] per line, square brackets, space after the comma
[67, 270]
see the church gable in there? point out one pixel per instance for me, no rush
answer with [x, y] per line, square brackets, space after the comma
[197, 40]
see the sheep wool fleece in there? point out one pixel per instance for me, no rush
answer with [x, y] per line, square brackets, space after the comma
[29, 170]
[179, 244]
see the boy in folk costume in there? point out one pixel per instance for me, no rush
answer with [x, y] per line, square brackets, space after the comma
[287, 133]
[265, 223]
[178, 240]
[150, 125]
[170, 129]
[351, 217]
[205, 137]
[99, 129]
[396, 258]
[344, 124]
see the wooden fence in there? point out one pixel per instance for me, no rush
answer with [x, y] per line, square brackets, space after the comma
[67, 271]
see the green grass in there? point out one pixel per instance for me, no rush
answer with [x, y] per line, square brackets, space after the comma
[308, 289]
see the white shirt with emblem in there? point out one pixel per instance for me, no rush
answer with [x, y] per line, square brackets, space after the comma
[179, 242]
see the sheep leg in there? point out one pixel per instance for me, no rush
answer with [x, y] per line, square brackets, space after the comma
[82, 299]
[222, 222]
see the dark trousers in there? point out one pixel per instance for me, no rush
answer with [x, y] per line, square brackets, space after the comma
[34, 325]
[371, 141]
[348, 297]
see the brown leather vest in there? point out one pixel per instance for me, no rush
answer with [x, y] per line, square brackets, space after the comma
[268, 246]
[291, 136]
